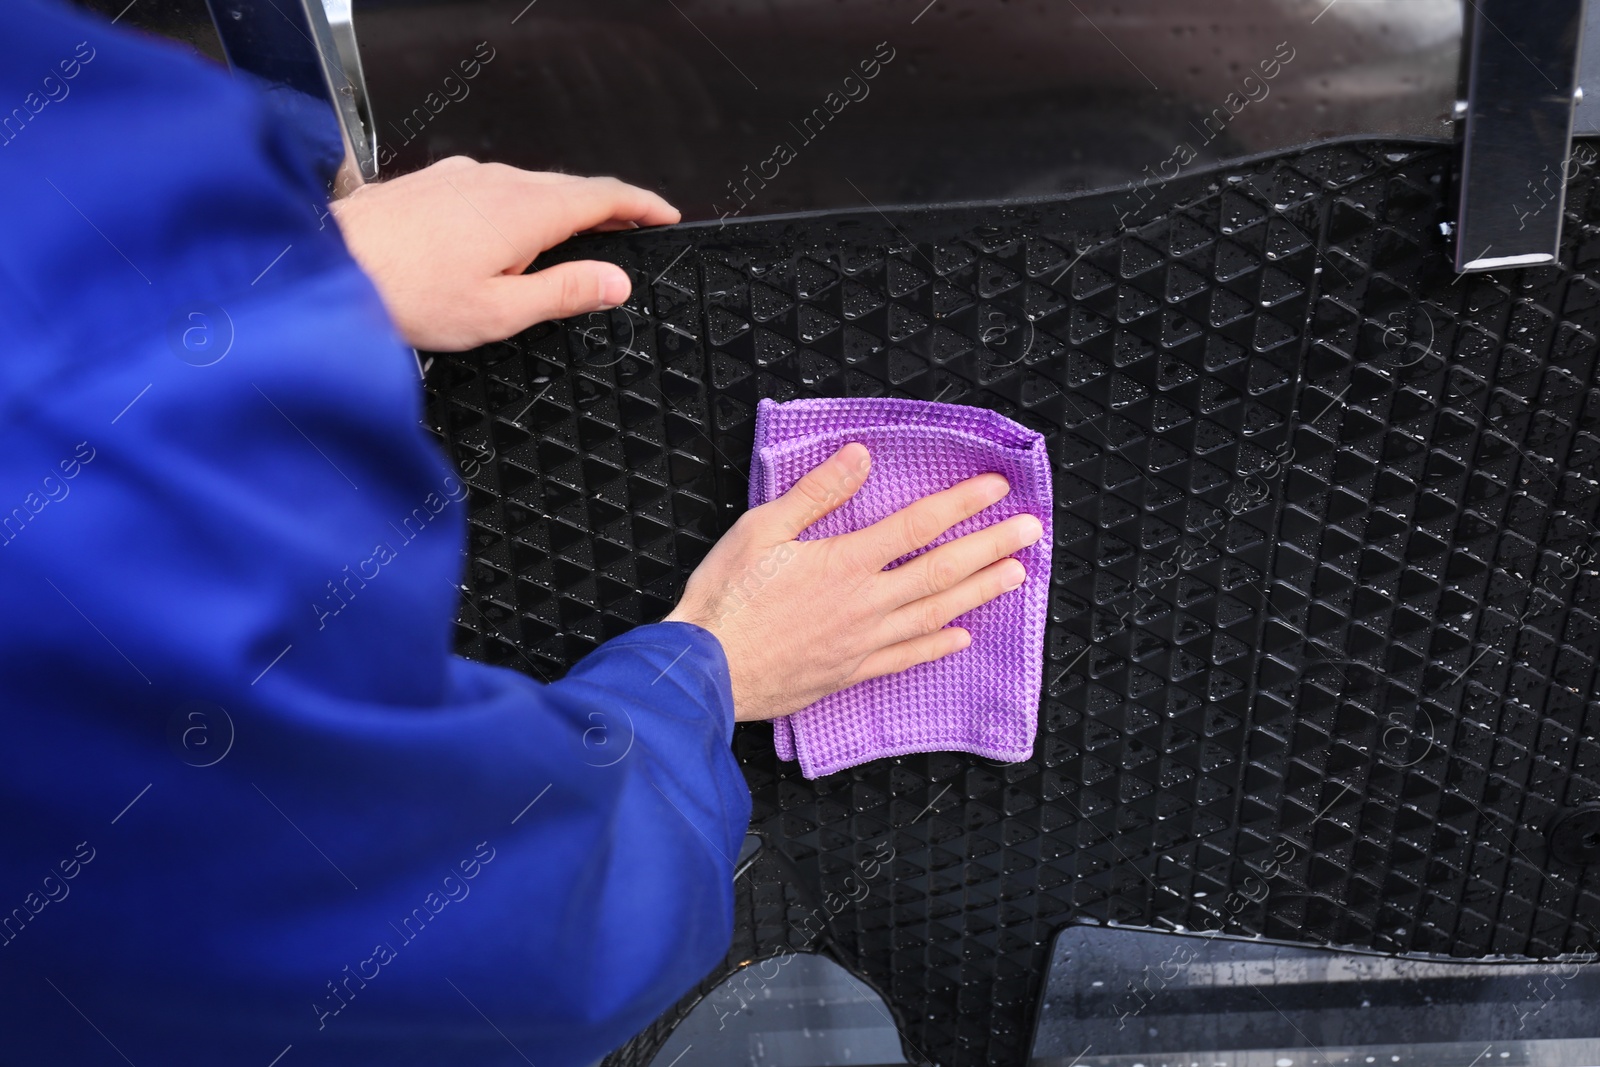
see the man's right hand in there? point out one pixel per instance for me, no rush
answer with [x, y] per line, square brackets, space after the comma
[801, 619]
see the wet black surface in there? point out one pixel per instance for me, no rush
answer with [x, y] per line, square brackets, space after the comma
[1320, 665]
[966, 99]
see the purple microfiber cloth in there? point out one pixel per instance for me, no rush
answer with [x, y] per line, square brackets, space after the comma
[983, 699]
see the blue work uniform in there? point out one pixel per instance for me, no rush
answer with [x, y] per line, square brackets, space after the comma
[252, 809]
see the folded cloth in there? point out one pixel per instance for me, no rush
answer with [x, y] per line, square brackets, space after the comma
[983, 699]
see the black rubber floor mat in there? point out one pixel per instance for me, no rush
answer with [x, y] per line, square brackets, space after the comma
[1323, 628]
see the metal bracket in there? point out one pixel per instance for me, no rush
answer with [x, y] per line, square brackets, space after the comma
[1520, 62]
[1586, 117]
[290, 45]
[341, 22]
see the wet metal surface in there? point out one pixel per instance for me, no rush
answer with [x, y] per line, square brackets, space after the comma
[1522, 73]
[797, 1010]
[1120, 992]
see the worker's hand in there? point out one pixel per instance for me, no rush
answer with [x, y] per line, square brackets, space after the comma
[801, 619]
[446, 246]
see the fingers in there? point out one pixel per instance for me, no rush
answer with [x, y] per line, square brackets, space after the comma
[535, 206]
[932, 613]
[558, 292]
[916, 525]
[907, 654]
[530, 211]
[598, 200]
[540, 177]
[942, 568]
[824, 489]
[613, 226]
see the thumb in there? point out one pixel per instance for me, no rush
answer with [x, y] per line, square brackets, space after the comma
[558, 292]
[825, 488]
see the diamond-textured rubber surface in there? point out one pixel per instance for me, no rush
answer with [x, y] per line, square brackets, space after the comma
[1323, 605]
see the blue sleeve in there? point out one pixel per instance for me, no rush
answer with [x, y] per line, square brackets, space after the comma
[250, 804]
